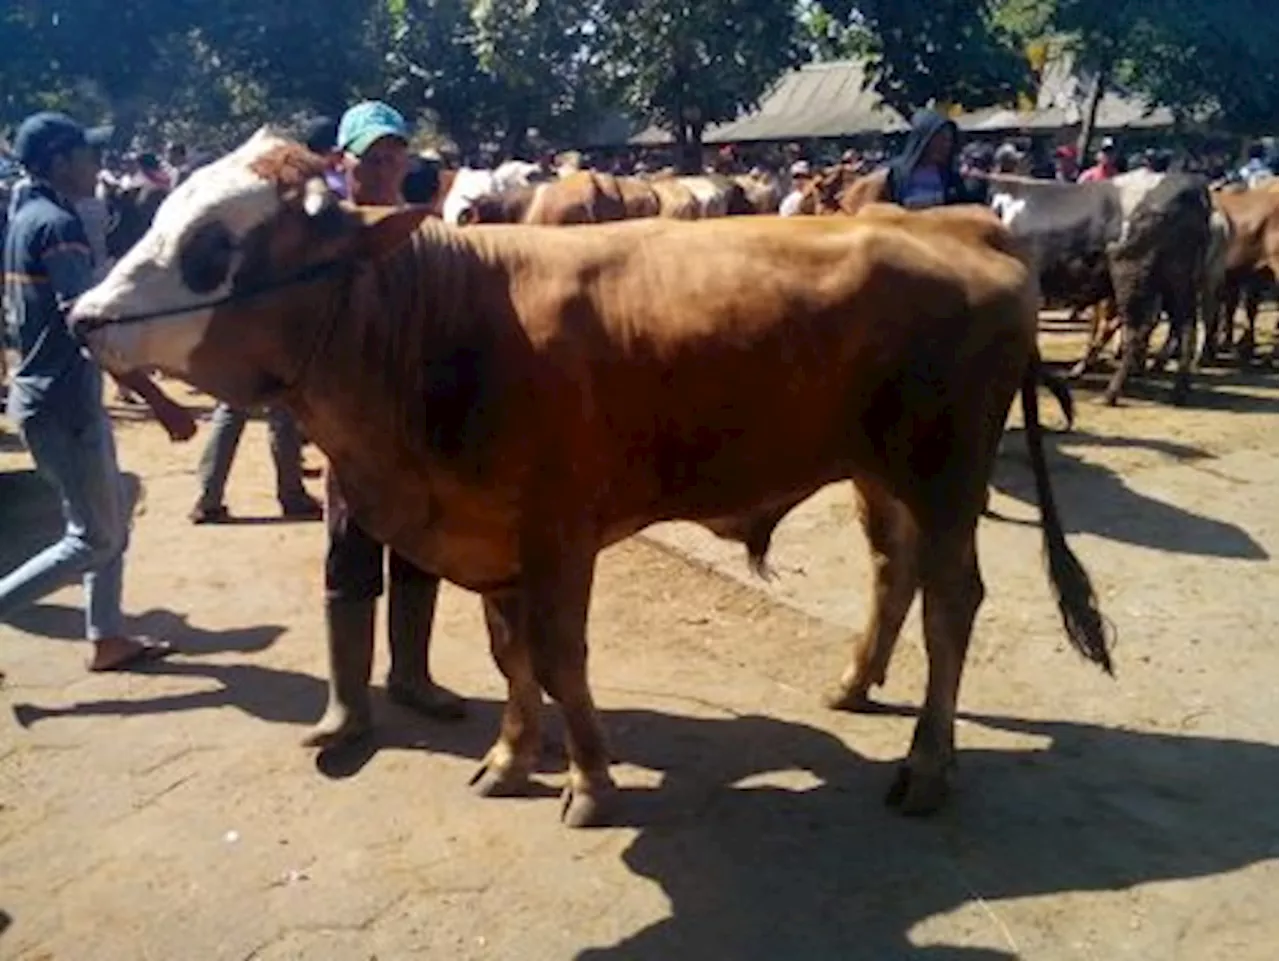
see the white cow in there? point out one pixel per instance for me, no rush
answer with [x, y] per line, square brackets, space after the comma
[471, 183]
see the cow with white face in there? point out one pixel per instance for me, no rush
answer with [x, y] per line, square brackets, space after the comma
[248, 230]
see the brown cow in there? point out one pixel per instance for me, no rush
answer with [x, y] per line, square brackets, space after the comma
[1253, 253]
[842, 189]
[585, 197]
[501, 403]
[762, 191]
[675, 200]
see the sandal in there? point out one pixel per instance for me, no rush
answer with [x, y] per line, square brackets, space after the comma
[141, 651]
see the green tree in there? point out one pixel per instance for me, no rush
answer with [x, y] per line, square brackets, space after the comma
[684, 64]
[947, 51]
[539, 52]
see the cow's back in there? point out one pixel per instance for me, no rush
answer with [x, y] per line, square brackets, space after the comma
[1255, 219]
[693, 384]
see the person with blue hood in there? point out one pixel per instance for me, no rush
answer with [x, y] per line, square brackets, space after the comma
[926, 173]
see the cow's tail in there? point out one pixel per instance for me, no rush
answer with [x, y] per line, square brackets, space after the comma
[1077, 601]
[1061, 393]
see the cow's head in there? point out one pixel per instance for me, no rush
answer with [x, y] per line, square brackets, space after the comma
[230, 285]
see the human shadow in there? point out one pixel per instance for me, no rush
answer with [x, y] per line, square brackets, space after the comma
[762, 871]
[60, 622]
[1097, 500]
[269, 694]
[31, 513]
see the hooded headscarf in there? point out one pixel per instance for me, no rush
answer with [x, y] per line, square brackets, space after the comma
[924, 125]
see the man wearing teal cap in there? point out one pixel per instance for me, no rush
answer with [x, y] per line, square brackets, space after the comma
[373, 141]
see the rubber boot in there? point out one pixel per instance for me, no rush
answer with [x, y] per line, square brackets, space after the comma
[349, 626]
[411, 609]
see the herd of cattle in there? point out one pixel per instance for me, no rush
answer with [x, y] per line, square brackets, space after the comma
[523, 398]
[1130, 248]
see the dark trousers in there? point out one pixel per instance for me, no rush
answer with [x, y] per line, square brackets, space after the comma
[354, 560]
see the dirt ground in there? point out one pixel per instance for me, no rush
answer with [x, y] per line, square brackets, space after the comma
[172, 815]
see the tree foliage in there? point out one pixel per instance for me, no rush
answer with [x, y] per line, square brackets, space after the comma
[491, 70]
[684, 64]
[942, 51]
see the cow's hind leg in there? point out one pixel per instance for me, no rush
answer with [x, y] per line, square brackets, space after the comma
[952, 588]
[1248, 340]
[505, 770]
[1102, 328]
[558, 595]
[891, 534]
[1135, 336]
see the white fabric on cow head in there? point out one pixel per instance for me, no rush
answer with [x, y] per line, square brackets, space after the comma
[150, 279]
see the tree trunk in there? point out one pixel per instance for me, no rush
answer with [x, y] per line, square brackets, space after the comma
[1096, 89]
[691, 151]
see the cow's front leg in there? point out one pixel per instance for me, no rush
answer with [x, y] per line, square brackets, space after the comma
[505, 770]
[558, 594]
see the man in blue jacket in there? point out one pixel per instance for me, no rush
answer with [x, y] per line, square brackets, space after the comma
[55, 398]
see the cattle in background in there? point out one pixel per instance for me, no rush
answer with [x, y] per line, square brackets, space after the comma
[130, 211]
[763, 191]
[1252, 261]
[675, 200]
[468, 184]
[501, 405]
[585, 197]
[1141, 237]
[718, 196]
[845, 189]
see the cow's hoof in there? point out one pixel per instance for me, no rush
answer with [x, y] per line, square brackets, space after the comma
[494, 779]
[915, 794]
[581, 808]
[337, 728]
[851, 698]
[1180, 393]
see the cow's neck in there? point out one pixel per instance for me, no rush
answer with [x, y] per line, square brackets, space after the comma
[405, 370]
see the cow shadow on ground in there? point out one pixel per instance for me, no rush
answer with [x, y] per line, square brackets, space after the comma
[820, 869]
[1094, 499]
[1210, 390]
[767, 872]
[823, 870]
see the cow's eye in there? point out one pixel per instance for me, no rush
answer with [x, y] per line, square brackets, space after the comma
[206, 258]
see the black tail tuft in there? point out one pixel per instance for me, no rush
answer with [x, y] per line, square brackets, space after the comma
[1077, 601]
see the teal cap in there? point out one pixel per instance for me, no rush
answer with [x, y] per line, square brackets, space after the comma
[366, 123]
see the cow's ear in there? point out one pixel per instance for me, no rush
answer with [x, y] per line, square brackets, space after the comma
[387, 228]
[317, 198]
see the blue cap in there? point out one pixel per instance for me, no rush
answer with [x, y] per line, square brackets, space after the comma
[366, 123]
[43, 136]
